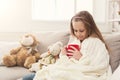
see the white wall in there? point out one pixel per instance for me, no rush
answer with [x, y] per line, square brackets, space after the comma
[15, 16]
[100, 12]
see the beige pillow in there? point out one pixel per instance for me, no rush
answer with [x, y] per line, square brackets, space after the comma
[113, 43]
[48, 38]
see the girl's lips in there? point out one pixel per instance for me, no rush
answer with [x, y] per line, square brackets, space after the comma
[80, 38]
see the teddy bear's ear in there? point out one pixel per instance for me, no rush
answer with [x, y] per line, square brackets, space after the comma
[60, 43]
[55, 44]
[36, 42]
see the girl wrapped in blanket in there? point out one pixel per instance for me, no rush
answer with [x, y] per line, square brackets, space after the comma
[90, 62]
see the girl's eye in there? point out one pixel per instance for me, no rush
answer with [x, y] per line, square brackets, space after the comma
[81, 30]
[75, 30]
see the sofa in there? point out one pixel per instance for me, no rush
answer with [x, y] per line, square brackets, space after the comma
[46, 39]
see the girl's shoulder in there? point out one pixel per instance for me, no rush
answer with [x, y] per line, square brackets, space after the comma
[93, 40]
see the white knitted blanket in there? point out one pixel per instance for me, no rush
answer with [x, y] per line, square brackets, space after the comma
[93, 65]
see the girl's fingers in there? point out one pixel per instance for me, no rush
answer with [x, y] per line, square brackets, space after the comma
[64, 46]
[73, 48]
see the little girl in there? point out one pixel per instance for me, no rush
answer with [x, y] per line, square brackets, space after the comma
[91, 62]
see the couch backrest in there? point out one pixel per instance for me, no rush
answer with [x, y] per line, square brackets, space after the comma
[48, 38]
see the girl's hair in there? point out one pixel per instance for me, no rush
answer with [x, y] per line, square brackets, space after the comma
[89, 23]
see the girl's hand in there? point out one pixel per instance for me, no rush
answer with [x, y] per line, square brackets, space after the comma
[63, 50]
[76, 54]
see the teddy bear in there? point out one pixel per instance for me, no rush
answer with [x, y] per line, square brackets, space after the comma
[49, 57]
[25, 55]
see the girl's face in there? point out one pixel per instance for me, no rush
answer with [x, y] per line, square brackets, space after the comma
[79, 30]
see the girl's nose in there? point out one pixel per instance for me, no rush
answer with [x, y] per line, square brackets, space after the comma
[78, 33]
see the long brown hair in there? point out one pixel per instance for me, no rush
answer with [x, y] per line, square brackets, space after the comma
[89, 23]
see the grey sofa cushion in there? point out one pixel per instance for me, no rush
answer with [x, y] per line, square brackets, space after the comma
[113, 43]
[12, 73]
[48, 38]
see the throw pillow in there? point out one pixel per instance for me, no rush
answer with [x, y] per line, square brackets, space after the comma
[113, 43]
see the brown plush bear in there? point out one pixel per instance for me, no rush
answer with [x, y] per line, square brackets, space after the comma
[25, 55]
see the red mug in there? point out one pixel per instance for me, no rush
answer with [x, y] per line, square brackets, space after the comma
[69, 48]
